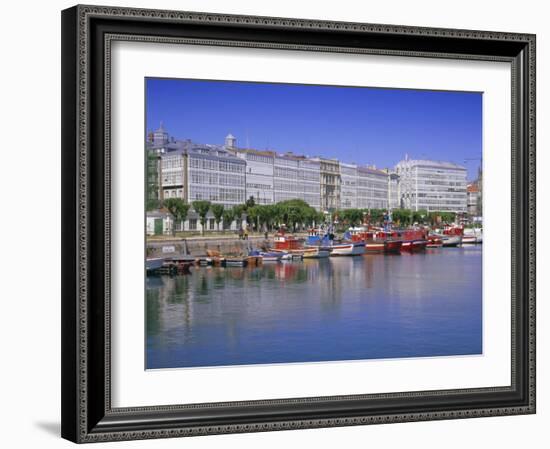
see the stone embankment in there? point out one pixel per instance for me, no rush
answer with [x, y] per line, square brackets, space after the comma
[197, 246]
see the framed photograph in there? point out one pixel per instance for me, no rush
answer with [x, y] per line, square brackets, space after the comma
[276, 224]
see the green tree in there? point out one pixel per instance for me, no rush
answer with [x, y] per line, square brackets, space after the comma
[250, 202]
[202, 208]
[253, 216]
[270, 215]
[377, 215]
[153, 188]
[402, 216]
[447, 217]
[228, 217]
[240, 209]
[217, 210]
[420, 216]
[178, 209]
[353, 217]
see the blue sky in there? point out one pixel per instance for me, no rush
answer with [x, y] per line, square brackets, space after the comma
[362, 125]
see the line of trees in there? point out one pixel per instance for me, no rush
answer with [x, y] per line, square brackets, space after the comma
[295, 214]
[401, 217]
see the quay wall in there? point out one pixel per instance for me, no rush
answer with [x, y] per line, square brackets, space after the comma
[197, 246]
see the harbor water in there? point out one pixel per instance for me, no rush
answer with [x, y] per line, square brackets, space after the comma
[348, 308]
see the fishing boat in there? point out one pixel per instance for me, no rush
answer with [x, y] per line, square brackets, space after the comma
[414, 240]
[447, 240]
[325, 246]
[434, 241]
[288, 245]
[451, 240]
[316, 252]
[271, 256]
[347, 248]
[377, 240]
[452, 235]
[472, 236]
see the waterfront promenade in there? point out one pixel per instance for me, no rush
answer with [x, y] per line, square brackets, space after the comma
[198, 245]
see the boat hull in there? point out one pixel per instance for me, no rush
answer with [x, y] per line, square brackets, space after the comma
[453, 240]
[348, 249]
[414, 246]
[237, 262]
[153, 264]
[393, 246]
[375, 247]
[315, 253]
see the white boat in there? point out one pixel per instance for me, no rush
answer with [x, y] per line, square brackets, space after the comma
[451, 240]
[472, 236]
[271, 256]
[312, 252]
[347, 249]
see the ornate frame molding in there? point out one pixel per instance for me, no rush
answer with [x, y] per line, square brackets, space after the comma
[80, 411]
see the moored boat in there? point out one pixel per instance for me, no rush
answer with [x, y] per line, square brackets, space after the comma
[434, 241]
[315, 252]
[271, 256]
[290, 246]
[347, 248]
[344, 247]
[393, 246]
[414, 240]
[235, 262]
[154, 263]
[376, 240]
[451, 240]
[472, 236]
[469, 240]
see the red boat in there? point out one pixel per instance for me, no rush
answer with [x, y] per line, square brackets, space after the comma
[285, 242]
[413, 240]
[453, 230]
[376, 240]
[288, 244]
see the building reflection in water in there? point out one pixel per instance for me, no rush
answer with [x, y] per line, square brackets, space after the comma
[346, 308]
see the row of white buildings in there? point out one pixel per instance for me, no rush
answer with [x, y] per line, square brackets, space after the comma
[229, 175]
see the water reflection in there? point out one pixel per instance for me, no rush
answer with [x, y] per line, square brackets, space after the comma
[318, 310]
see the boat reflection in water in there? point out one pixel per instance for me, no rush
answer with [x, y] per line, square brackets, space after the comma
[346, 308]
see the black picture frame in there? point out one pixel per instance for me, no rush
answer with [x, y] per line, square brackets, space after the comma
[87, 415]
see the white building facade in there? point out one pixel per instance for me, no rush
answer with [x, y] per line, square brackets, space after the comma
[285, 178]
[432, 185]
[394, 201]
[173, 174]
[372, 188]
[309, 181]
[258, 174]
[348, 186]
[216, 175]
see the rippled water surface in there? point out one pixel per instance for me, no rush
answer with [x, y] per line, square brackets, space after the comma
[346, 308]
